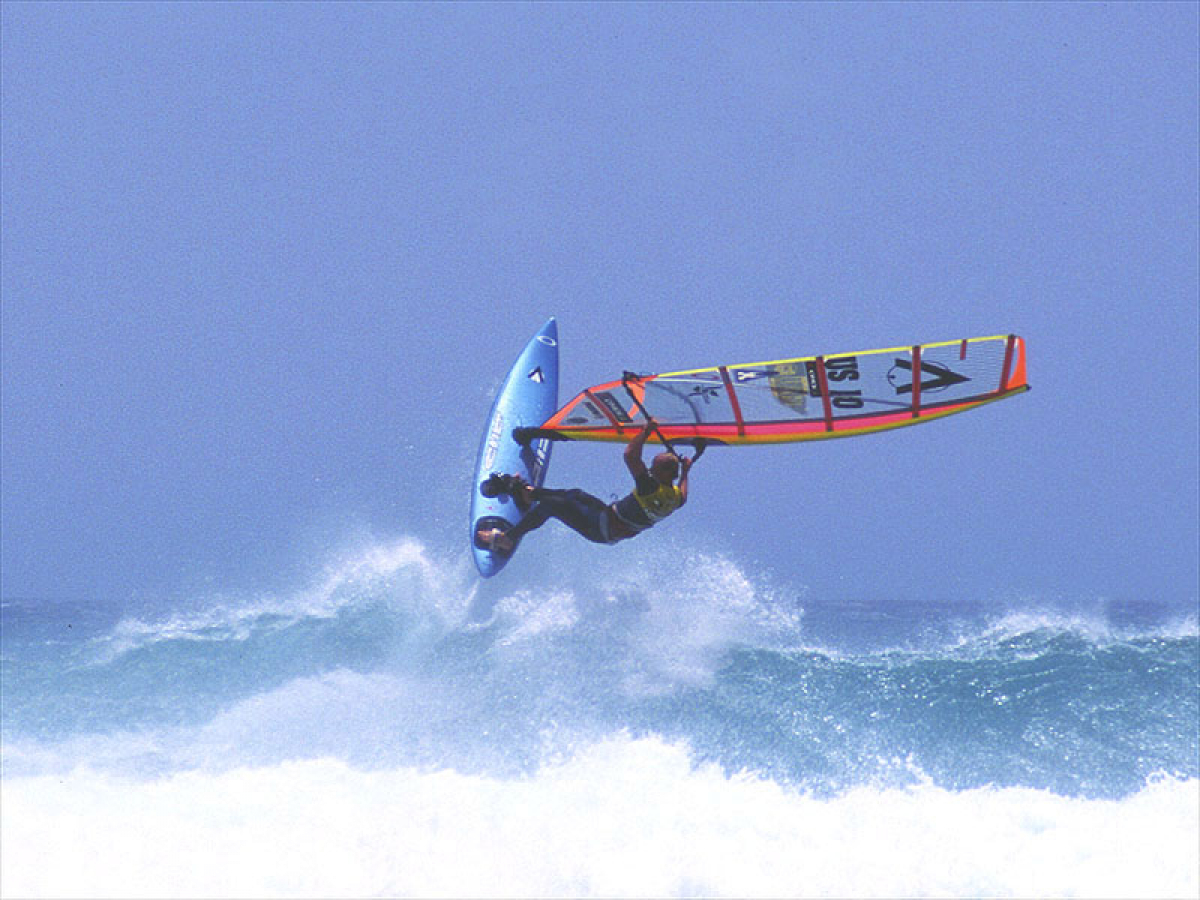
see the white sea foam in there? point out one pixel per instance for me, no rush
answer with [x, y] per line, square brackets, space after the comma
[622, 817]
[664, 619]
[405, 568]
[1095, 628]
[690, 623]
[532, 613]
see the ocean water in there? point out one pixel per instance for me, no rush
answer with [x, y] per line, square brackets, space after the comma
[397, 728]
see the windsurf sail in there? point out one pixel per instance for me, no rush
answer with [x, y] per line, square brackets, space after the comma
[802, 399]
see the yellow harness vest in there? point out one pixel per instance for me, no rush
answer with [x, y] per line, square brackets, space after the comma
[657, 506]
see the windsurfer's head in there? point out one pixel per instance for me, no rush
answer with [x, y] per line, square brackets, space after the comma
[665, 467]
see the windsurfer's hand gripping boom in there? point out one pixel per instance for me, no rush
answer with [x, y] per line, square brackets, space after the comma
[666, 466]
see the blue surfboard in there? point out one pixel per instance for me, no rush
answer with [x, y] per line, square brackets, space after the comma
[528, 397]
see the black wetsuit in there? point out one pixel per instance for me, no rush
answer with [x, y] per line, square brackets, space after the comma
[590, 516]
[576, 509]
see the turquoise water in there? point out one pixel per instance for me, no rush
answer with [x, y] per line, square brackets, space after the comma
[397, 727]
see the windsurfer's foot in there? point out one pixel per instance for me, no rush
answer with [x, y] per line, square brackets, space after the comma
[522, 492]
[495, 539]
[514, 486]
[494, 485]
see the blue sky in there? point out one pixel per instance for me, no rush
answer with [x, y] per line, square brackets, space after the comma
[264, 266]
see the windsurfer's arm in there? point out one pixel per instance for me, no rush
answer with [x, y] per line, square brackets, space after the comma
[633, 452]
[685, 466]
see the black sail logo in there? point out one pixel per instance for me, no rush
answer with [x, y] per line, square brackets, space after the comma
[934, 377]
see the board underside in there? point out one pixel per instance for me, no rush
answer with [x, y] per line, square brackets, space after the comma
[527, 398]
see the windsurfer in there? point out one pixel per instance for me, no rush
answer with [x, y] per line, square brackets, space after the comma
[654, 497]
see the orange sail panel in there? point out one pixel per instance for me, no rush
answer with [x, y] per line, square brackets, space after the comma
[807, 398]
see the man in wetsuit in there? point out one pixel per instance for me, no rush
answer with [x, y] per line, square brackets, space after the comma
[654, 497]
